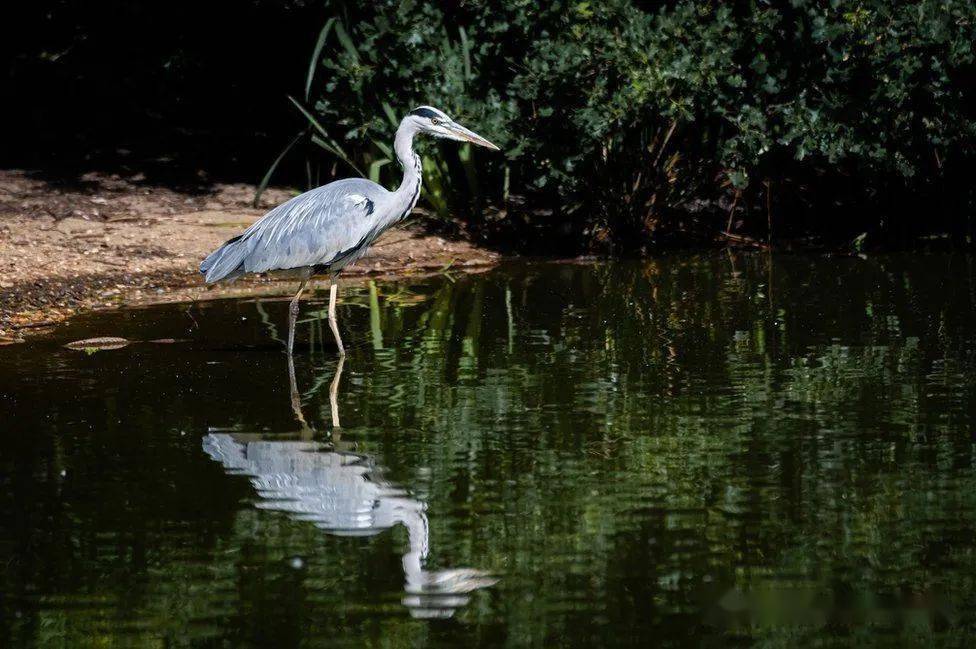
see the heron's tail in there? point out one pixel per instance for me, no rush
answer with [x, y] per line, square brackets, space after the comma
[226, 262]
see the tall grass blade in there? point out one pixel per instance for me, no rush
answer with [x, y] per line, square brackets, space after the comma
[383, 147]
[332, 147]
[374, 316]
[390, 114]
[311, 118]
[346, 42]
[274, 165]
[434, 187]
[466, 156]
[374, 169]
[324, 140]
[466, 54]
[313, 62]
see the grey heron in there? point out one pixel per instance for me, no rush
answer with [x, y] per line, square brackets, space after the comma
[325, 229]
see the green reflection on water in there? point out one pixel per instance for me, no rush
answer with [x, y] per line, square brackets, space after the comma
[693, 449]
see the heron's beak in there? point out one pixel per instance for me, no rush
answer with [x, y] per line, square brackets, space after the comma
[470, 136]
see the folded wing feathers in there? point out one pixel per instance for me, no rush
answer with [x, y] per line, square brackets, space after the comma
[225, 260]
[314, 228]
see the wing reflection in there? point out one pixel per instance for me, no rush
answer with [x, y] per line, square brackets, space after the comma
[344, 494]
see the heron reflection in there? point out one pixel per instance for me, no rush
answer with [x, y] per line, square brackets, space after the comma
[345, 494]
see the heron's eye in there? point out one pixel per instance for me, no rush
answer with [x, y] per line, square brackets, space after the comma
[435, 121]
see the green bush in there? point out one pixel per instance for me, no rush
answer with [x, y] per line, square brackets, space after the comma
[622, 122]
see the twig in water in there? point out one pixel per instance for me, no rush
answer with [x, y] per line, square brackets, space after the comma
[740, 238]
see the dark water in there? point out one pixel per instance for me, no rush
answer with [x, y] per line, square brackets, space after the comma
[689, 451]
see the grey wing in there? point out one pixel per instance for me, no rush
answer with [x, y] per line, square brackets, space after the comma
[322, 227]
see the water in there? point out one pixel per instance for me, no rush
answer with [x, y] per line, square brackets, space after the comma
[693, 450]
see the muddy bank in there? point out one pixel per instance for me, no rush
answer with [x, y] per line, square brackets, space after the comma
[104, 241]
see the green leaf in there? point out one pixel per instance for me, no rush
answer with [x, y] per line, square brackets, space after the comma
[390, 114]
[311, 119]
[374, 169]
[384, 147]
[324, 140]
[466, 53]
[313, 62]
[739, 178]
[274, 165]
[333, 147]
[346, 42]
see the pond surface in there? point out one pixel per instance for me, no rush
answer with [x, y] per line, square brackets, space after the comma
[690, 450]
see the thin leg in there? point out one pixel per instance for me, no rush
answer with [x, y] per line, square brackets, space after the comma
[293, 315]
[334, 392]
[333, 291]
[296, 399]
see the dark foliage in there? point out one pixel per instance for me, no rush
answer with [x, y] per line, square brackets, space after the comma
[624, 123]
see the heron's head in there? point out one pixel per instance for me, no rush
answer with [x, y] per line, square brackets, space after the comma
[430, 120]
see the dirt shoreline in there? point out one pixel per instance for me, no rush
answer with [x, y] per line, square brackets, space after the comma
[106, 241]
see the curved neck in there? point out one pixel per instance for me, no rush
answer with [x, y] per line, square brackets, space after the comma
[418, 535]
[403, 146]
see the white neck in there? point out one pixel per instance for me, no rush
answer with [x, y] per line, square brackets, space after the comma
[408, 192]
[415, 520]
